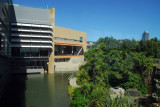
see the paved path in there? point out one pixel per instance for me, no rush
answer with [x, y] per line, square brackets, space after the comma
[72, 82]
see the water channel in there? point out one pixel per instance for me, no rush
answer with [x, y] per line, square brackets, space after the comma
[37, 90]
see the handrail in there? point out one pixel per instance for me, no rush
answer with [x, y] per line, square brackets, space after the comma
[71, 76]
[34, 67]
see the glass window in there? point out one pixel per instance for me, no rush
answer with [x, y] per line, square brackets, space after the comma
[44, 52]
[25, 52]
[81, 39]
[35, 52]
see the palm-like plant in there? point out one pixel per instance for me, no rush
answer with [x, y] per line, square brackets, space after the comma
[85, 89]
[98, 98]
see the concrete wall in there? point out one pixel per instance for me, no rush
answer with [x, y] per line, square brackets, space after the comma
[4, 73]
[73, 65]
[51, 57]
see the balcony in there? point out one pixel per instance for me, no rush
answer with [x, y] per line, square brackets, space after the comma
[31, 30]
[31, 35]
[31, 25]
[31, 40]
[32, 45]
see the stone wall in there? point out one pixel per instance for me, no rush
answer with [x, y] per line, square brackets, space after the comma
[156, 93]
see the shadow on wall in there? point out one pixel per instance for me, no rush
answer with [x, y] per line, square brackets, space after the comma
[14, 95]
[11, 95]
[4, 73]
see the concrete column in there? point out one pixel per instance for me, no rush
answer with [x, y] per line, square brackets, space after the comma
[72, 50]
[51, 57]
[62, 49]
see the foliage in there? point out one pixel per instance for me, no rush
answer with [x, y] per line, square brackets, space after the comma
[70, 90]
[121, 102]
[112, 63]
[98, 97]
[78, 99]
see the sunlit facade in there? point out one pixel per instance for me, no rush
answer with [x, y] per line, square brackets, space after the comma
[30, 38]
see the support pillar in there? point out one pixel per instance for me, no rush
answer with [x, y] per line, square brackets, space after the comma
[51, 57]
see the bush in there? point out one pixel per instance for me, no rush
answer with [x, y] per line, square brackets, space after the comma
[78, 99]
[121, 102]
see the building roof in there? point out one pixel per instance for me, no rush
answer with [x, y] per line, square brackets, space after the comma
[30, 15]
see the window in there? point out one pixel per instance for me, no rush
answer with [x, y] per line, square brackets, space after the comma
[25, 52]
[65, 39]
[81, 39]
[35, 52]
[62, 60]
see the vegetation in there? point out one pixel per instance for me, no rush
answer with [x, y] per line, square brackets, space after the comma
[112, 63]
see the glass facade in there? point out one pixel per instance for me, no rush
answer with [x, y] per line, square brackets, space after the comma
[30, 52]
[81, 39]
[5, 27]
[21, 64]
[64, 39]
[62, 60]
[68, 50]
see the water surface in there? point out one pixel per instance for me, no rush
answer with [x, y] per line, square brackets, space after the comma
[37, 90]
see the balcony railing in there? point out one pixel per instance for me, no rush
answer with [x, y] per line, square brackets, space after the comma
[34, 67]
[31, 40]
[31, 30]
[31, 25]
[31, 35]
[32, 45]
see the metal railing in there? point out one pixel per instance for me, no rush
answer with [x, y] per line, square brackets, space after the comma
[34, 67]
[31, 30]
[70, 77]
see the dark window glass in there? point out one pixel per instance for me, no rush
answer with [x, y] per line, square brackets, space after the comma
[81, 39]
[16, 52]
[34, 52]
[44, 52]
[25, 52]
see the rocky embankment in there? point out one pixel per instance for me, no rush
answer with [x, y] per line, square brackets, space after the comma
[156, 94]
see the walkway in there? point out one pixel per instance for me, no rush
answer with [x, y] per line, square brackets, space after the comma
[72, 81]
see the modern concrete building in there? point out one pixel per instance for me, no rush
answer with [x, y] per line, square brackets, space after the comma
[37, 45]
[70, 46]
[146, 36]
[33, 42]
[31, 39]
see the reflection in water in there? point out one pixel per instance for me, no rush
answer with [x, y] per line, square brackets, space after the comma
[38, 90]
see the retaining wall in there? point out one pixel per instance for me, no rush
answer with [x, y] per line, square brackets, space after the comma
[72, 65]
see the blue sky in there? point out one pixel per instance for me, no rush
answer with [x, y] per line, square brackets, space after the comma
[121, 19]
